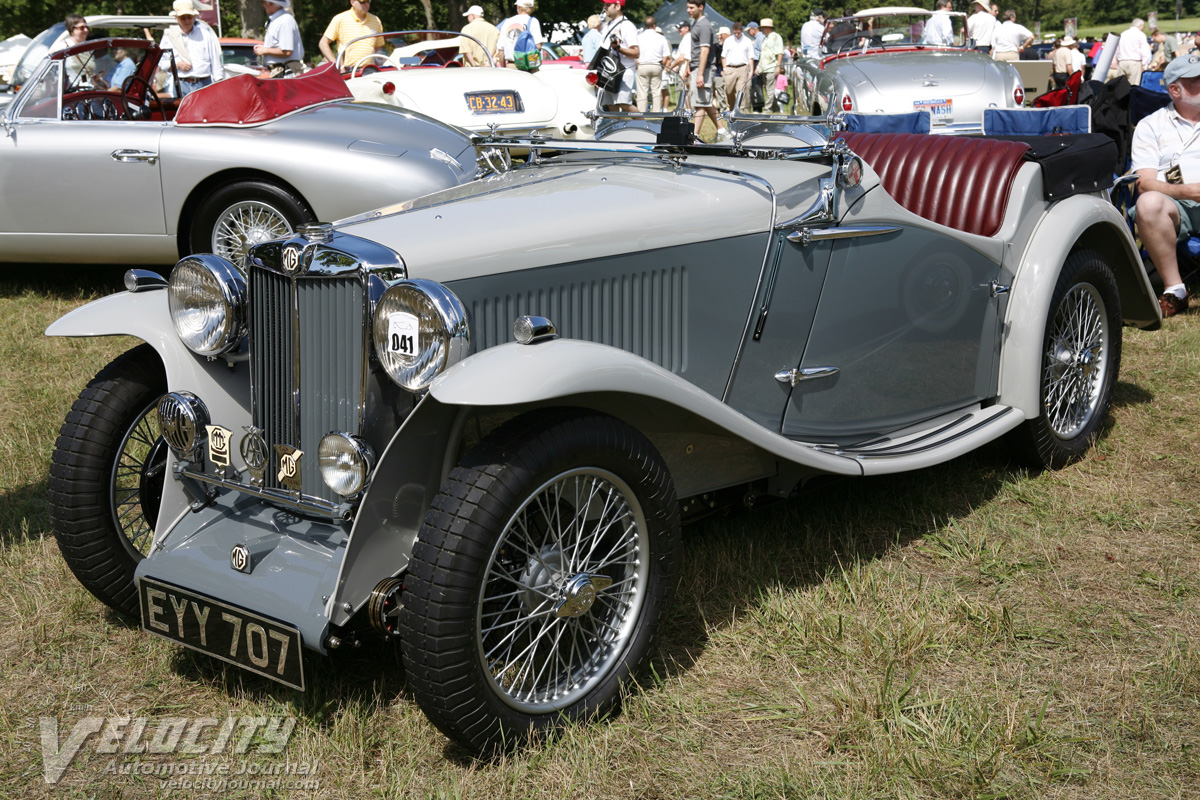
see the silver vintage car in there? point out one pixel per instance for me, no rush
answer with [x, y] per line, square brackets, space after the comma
[99, 167]
[433, 424]
[887, 61]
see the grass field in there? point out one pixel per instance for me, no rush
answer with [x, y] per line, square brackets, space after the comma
[972, 630]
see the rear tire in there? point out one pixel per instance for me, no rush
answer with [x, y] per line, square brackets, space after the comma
[539, 578]
[106, 477]
[239, 215]
[1081, 355]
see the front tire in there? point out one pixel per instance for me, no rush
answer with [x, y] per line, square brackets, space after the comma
[240, 215]
[106, 477]
[539, 578]
[1081, 355]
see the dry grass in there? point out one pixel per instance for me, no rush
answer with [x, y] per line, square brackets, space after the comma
[969, 631]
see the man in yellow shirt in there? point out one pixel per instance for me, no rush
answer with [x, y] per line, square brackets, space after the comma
[483, 31]
[348, 25]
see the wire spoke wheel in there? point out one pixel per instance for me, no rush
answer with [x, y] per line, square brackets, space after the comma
[563, 591]
[1075, 363]
[137, 482]
[245, 224]
[539, 578]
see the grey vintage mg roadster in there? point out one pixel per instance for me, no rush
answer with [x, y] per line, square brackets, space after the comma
[475, 421]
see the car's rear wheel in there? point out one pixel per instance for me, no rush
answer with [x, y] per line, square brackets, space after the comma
[539, 578]
[1081, 355]
[240, 215]
[107, 474]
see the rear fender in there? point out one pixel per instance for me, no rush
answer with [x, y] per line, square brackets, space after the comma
[225, 390]
[1082, 222]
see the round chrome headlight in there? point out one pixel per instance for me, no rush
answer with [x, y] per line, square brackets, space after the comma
[345, 462]
[207, 298]
[420, 329]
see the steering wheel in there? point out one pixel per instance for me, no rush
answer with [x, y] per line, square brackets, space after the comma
[362, 64]
[128, 99]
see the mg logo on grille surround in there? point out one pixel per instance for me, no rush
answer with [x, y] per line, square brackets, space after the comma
[289, 466]
[291, 259]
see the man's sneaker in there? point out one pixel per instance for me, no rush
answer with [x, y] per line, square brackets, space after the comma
[1172, 305]
[723, 135]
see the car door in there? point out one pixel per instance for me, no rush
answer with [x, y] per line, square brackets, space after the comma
[77, 176]
[905, 329]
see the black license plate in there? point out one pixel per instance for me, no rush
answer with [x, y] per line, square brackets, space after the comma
[232, 634]
[505, 102]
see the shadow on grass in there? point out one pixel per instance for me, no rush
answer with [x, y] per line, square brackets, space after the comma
[731, 561]
[24, 514]
[1130, 394]
[66, 281]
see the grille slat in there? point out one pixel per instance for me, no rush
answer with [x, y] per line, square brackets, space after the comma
[307, 363]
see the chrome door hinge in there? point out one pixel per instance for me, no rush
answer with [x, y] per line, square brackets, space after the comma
[998, 288]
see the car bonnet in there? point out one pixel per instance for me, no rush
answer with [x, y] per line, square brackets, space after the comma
[584, 209]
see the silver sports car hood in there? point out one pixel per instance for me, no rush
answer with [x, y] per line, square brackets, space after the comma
[580, 209]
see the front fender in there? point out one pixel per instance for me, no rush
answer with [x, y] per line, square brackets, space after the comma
[146, 316]
[1079, 222]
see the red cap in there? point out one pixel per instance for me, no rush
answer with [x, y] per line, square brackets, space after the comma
[620, 3]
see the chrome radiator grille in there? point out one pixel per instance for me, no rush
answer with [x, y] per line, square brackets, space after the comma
[308, 361]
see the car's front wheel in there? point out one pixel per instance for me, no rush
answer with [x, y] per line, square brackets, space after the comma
[107, 474]
[239, 215]
[539, 578]
[1081, 355]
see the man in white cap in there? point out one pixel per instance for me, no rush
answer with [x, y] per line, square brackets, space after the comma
[485, 32]
[195, 47]
[1166, 158]
[770, 63]
[347, 26]
[981, 26]
[511, 28]
[282, 50]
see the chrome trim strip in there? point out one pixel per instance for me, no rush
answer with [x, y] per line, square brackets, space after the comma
[336, 512]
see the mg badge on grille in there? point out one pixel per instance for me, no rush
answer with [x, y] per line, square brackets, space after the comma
[218, 445]
[289, 466]
[239, 558]
[254, 453]
[291, 259]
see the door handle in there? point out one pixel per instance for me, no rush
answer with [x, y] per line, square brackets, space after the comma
[791, 377]
[130, 156]
[809, 235]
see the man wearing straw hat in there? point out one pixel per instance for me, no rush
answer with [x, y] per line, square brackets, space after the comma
[197, 51]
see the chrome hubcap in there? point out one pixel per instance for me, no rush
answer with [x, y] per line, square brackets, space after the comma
[563, 590]
[245, 224]
[1076, 365]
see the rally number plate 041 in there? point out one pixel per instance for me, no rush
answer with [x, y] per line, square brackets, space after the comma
[261, 645]
[499, 102]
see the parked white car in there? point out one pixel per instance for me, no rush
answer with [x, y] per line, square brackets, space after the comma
[423, 71]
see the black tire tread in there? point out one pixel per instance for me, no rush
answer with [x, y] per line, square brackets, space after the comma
[452, 549]
[84, 453]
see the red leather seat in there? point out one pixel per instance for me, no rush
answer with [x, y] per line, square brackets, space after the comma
[956, 181]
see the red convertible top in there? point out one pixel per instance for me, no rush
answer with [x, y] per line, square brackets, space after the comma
[247, 100]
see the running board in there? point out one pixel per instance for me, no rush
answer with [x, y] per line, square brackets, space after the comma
[931, 442]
